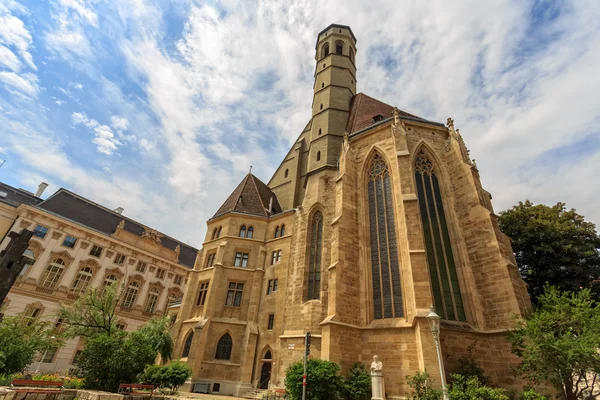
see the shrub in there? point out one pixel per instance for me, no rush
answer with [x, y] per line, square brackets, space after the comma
[170, 376]
[468, 367]
[357, 386]
[471, 389]
[323, 381]
[422, 387]
[531, 394]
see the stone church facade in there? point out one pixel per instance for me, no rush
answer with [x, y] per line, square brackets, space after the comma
[373, 216]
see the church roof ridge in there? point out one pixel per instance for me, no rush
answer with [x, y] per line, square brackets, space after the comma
[251, 196]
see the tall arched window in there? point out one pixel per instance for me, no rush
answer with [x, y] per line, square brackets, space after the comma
[130, 295]
[152, 300]
[187, 345]
[214, 234]
[250, 232]
[314, 263]
[109, 280]
[242, 231]
[276, 232]
[224, 348]
[52, 274]
[385, 266]
[219, 232]
[442, 269]
[339, 47]
[318, 156]
[84, 276]
[325, 50]
[282, 230]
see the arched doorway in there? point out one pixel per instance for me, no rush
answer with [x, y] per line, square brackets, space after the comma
[265, 371]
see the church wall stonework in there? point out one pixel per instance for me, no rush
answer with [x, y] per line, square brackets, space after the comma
[355, 130]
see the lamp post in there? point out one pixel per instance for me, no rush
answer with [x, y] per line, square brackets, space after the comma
[43, 356]
[434, 324]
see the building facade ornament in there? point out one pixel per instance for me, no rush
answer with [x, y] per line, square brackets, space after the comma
[397, 124]
[121, 224]
[152, 235]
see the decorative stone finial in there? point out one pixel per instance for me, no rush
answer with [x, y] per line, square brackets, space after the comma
[178, 249]
[121, 224]
[397, 124]
[450, 122]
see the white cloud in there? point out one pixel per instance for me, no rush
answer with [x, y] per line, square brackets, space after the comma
[13, 33]
[119, 123]
[80, 7]
[104, 139]
[25, 85]
[59, 102]
[78, 86]
[9, 60]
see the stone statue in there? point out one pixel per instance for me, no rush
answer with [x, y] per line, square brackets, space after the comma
[377, 387]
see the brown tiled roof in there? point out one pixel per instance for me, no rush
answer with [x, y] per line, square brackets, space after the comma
[251, 196]
[363, 108]
[85, 212]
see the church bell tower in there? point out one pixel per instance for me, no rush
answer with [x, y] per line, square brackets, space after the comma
[335, 84]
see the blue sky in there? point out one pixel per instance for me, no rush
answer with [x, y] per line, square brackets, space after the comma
[160, 107]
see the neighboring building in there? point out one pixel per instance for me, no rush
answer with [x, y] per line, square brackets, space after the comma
[373, 215]
[78, 244]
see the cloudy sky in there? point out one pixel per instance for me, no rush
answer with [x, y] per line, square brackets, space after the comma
[160, 107]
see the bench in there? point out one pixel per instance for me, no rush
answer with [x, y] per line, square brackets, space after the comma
[46, 386]
[134, 389]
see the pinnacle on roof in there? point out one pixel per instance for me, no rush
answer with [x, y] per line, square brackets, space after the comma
[251, 196]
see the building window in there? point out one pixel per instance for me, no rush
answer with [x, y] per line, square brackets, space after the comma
[202, 293]
[32, 314]
[320, 131]
[216, 387]
[30, 261]
[119, 259]
[321, 106]
[234, 294]
[160, 273]
[224, 348]
[318, 156]
[96, 251]
[121, 326]
[272, 286]
[316, 248]
[271, 322]
[250, 232]
[210, 259]
[282, 230]
[84, 276]
[40, 231]
[59, 325]
[52, 274]
[187, 345]
[109, 280]
[325, 50]
[241, 260]
[242, 231]
[351, 54]
[131, 294]
[378, 118]
[276, 231]
[385, 268]
[69, 242]
[140, 267]
[286, 173]
[219, 232]
[177, 279]
[214, 234]
[48, 356]
[151, 300]
[339, 47]
[438, 250]
[276, 257]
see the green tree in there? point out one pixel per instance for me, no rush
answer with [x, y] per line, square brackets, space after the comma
[357, 385]
[21, 338]
[552, 246]
[170, 376]
[468, 367]
[559, 341]
[323, 381]
[422, 388]
[464, 388]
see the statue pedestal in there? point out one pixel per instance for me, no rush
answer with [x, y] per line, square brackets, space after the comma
[377, 386]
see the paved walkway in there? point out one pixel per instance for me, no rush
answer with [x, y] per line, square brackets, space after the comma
[200, 396]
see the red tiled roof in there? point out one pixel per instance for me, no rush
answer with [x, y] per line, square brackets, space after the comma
[251, 196]
[363, 108]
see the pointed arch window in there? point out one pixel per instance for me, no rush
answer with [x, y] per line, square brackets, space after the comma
[325, 50]
[316, 249]
[214, 234]
[219, 232]
[187, 345]
[242, 231]
[268, 355]
[339, 47]
[224, 347]
[282, 232]
[385, 266]
[442, 268]
[250, 232]
[276, 231]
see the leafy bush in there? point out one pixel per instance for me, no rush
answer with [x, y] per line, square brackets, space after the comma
[323, 381]
[464, 388]
[531, 394]
[468, 367]
[170, 376]
[71, 382]
[422, 387]
[357, 386]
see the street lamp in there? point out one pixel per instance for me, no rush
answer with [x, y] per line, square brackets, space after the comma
[434, 324]
[44, 356]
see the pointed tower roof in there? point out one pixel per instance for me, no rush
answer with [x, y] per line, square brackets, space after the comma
[251, 196]
[364, 108]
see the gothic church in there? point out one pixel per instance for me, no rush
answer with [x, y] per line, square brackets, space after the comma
[373, 216]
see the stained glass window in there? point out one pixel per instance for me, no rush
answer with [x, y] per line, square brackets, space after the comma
[187, 345]
[316, 249]
[442, 268]
[385, 266]
[224, 348]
